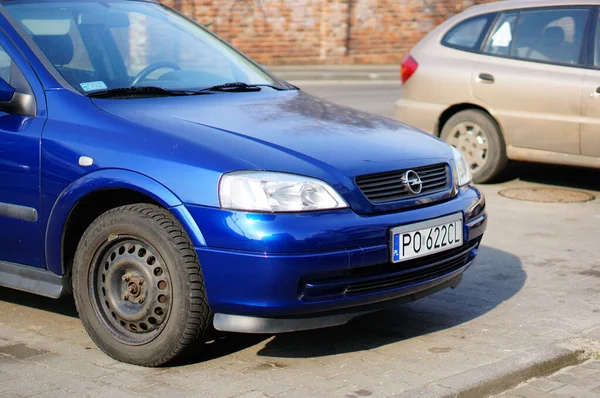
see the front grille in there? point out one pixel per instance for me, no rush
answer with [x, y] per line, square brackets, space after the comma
[389, 187]
[391, 276]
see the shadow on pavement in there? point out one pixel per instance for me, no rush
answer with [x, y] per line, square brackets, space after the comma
[64, 306]
[564, 176]
[496, 277]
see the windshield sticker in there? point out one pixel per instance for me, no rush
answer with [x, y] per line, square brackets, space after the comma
[94, 86]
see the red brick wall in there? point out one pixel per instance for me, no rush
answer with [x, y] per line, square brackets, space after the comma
[276, 32]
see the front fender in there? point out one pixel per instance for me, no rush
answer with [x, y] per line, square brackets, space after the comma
[110, 179]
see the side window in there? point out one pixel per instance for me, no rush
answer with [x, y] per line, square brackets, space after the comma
[550, 35]
[500, 41]
[5, 66]
[12, 74]
[597, 45]
[467, 35]
[9, 71]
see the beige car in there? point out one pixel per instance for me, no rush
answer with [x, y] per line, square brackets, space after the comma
[510, 80]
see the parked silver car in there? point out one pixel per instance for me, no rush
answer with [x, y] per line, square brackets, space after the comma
[510, 80]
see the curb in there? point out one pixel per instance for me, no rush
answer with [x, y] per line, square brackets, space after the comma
[326, 76]
[297, 82]
[593, 334]
[503, 375]
[359, 73]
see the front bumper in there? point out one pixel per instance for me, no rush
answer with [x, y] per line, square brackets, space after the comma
[275, 273]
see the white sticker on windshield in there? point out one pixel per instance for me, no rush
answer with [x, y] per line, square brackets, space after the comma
[503, 36]
[94, 86]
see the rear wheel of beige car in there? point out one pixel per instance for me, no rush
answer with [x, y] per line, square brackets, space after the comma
[478, 137]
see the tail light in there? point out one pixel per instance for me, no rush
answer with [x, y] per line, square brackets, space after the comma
[409, 66]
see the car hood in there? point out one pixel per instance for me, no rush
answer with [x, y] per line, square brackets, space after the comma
[298, 125]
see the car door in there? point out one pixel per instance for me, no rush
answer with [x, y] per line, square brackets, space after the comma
[530, 74]
[590, 105]
[20, 136]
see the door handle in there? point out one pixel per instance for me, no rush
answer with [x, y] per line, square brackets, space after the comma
[487, 78]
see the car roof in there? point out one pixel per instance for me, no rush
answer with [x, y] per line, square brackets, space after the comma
[516, 4]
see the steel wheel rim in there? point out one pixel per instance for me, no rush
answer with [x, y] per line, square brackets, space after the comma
[130, 289]
[472, 141]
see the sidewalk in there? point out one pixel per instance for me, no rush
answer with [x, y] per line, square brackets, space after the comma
[575, 381]
[300, 73]
[581, 381]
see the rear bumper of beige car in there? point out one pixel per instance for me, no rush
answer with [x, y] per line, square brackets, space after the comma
[422, 115]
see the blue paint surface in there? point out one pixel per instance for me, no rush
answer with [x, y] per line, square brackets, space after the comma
[174, 151]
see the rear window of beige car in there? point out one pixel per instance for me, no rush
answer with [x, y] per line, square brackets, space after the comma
[549, 35]
[468, 34]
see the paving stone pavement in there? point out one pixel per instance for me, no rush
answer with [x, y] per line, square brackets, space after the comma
[576, 381]
[537, 281]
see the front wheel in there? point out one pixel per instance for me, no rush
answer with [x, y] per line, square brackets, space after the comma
[138, 286]
[478, 137]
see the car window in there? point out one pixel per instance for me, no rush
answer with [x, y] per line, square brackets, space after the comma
[467, 34]
[5, 65]
[597, 45]
[60, 39]
[550, 35]
[162, 42]
[500, 40]
[12, 74]
[97, 45]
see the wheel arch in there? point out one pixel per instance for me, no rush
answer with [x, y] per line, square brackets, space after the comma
[456, 108]
[95, 193]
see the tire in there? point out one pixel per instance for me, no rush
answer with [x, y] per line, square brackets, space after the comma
[138, 286]
[463, 132]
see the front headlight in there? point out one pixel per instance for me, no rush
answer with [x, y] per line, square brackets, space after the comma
[462, 168]
[276, 193]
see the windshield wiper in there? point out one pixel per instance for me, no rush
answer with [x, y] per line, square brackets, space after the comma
[240, 87]
[142, 91]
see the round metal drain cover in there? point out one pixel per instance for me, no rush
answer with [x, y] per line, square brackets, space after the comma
[547, 195]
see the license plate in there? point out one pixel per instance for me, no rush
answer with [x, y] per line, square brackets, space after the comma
[429, 237]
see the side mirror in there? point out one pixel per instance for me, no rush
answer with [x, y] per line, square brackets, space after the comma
[7, 92]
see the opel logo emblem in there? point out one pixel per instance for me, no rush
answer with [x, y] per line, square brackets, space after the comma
[413, 182]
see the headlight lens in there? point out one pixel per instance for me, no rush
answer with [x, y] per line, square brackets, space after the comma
[276, 192]
[462, 168]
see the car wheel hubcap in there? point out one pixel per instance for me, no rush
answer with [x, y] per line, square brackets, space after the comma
[131, 289]
[472, 141]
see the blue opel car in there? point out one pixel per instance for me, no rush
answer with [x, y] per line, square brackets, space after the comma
[172, 185]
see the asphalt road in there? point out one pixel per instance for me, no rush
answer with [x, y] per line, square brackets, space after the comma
[375, 97]
[535, 283]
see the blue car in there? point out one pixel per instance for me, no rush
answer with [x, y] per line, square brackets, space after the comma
[172, 185]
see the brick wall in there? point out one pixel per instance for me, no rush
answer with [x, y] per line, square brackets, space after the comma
[276, 32]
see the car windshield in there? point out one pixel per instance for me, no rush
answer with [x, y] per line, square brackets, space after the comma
[104, 45]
